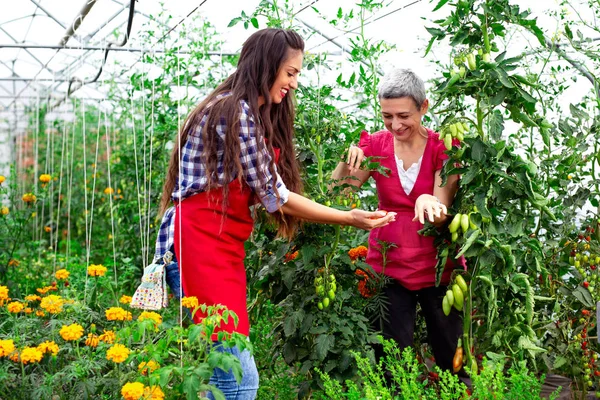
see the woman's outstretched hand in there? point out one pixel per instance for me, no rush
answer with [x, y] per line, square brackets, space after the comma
[429, 205]
[368, 220]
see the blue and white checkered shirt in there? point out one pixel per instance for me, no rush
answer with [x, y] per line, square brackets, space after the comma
[193, 173]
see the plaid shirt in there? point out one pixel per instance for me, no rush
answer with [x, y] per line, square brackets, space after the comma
[192, 177]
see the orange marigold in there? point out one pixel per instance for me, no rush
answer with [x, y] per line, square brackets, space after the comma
[13, 263]
[125, 299]
[32, 298]
[31, 355]
[117, 314]
[15, 307]
[92, 340]
[148, 367]
[132, 390]
[291, 256]
[4, 210]
[62, 274]
[71, 332]
[6, 347]
[48, 347]
[117, 353]
[40, 314]
[2, 179]
[151, 315]
[45, 178]
[358, 252]
[365, 284]
[153, 393]
[52, 304]
[29, 198]
[96, 270]
[108, 337]
[3, 295]
[190, 302]
[109, 191]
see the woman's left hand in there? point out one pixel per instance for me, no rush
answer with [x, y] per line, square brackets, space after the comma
[430, 205]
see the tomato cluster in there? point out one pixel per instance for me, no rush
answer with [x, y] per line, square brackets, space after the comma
[325, 287]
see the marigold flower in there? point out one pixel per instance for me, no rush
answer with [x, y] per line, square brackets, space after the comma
[117, 314]
[365, 284]
[40, 314]
[13, 263]
[4, 210]
[3, 293]
[357, 252]
[48, 347]
[153, 393]
[117, 353]
[151, 315]
[52, 304]
[28, 310]
[148, 367]
[190, 302]
[45, 178]
[108, 337]
[125, 299]
[96, 270]
[6, 347]
[32, 298]
[62, 274]
[132, 390]
[92, 340]
[71, 332]
[15, 307]
[291, 256]
[43, 290]
[109, 191]
[15, 357]
[31, 355]
[29, 198]
[2, 179]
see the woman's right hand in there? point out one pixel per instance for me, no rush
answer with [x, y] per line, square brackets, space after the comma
[368, 220]
[355, 158]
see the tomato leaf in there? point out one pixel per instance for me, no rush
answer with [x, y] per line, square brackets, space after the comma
[470, 240]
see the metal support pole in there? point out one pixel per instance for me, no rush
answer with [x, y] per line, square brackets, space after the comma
[48, 14]
[84, 48]
[77, 21]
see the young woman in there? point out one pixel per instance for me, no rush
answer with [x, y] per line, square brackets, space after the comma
[237, 145]
[414, 156]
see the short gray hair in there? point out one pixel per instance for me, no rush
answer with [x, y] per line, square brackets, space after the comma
[399, 83]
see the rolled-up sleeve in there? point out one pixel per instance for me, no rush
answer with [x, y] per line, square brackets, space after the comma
[255, 165]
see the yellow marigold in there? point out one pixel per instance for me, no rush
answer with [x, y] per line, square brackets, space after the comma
[13, 263]
[6, 347]
[2, 179]
[4, 210]
[148, 367]
[15, 307]
[125, 299]
[109, 191]
[150, 315]
[108, 337]
[29, 198]
[357, 252]
[132, 390]
[62, 274]
[96, 270]
[117, 353]
[117, 314]
[40, 313]
[48, 347]
[190, 302]
[52, 303]
[31, 355]
[92, 340]
[32, 298]
[153, 393]
[71, 332]
[45, 178]
[3, 293]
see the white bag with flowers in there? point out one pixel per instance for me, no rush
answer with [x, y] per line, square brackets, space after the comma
[152, 293]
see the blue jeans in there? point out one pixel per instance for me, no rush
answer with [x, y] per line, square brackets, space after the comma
[226, 382]
[172, 278]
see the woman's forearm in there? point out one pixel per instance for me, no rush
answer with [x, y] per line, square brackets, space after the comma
[300, 207]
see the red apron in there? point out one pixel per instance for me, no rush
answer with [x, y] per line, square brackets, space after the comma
[209, 245]
[412, 261]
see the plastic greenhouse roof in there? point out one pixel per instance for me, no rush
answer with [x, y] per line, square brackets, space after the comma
[41, 73]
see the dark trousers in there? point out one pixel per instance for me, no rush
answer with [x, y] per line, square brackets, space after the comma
[442, 331]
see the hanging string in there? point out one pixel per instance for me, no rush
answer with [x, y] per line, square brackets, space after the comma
[137, 178]
[148, 206]
[180, 202]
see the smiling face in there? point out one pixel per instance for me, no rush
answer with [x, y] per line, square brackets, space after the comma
[402, 117]
[287, 76]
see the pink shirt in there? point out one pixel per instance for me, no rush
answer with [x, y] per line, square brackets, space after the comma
[412, 262]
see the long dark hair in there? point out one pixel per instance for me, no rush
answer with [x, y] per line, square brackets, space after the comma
[262, 55]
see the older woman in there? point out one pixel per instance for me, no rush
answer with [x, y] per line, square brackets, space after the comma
[414, 156]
